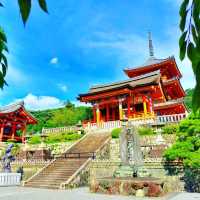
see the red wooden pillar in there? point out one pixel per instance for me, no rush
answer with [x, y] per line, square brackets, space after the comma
[107, 113]
[13, 131]
[24, 134]
[94, 115]
[113, 113]
[1, 132]
[128, 107]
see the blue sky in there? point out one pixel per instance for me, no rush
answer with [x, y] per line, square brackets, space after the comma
[82, 43]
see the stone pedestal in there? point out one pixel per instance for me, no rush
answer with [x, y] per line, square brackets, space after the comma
[124, 171]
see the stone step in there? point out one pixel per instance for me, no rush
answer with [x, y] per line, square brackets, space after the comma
[62, 169]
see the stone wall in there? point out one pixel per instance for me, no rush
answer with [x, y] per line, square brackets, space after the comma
[101, 169]
[147, 141]
[29, 168]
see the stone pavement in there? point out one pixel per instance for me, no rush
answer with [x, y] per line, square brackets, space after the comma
[21, 193]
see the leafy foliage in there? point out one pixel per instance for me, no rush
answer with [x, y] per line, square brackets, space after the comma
[170, 129]
[25, 9]
[116, 132]
[146, 131]
[35, 139]
[3, 59]
[190, 42]
[188, 98]
[62, 137]
[187, 146]
[55, 138]
[59, 117]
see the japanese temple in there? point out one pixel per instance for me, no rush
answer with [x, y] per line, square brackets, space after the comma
[152, 89]
[13, 121]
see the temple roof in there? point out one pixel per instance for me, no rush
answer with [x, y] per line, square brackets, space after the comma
[145, 79]
[12, 107]
[17, 107]
[150, 61]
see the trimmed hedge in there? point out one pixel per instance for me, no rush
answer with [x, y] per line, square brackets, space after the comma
[170, 129]
[146, 131]
[35, 139]
[116, 132]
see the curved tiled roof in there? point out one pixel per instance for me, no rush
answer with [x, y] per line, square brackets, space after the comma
[151, 61]
[12, 107]
[15, 107]
[132, 82]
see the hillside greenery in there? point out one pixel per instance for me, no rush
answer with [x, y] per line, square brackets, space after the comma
[66, 116]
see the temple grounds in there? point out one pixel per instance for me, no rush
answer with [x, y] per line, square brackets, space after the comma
[21, 193]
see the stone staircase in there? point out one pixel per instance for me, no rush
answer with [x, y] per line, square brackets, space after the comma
[64, 168]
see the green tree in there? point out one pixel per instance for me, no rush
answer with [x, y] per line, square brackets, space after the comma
[189, 42]
[25, 9]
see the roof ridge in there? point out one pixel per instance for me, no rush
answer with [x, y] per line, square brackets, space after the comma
[156, 72]
[15, 104]
[147, 62]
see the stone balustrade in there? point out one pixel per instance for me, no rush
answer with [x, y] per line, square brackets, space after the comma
[10, 179]
[59, 129]
[163, 119]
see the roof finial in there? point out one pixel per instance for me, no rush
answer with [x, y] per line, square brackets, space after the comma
[151, 52]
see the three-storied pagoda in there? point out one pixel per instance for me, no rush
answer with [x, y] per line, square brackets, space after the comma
[153, 89]
[13, 121]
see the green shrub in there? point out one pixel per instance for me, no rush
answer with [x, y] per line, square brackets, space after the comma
[146, 131]
[35, 139]
[54, 138]
[170, 129]
[72, 137]
[62, 137]
[116, 132]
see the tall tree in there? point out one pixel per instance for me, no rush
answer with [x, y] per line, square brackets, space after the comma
[189, 42]
[25, 9]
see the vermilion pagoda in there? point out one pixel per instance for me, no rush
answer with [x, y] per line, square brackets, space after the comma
[13, 121]
[153, 89]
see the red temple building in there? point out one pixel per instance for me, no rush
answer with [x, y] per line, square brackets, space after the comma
[152, 90]
[13, 121]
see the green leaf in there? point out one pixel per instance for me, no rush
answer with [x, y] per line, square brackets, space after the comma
[25, 8]
[183, 8]
[4, 59]
[194, 34]
[195, 14]
[5, 48]
[43, 5]
[191, 52]
[195, 98]
[182, 21]
[182, 45]
[2, 35]
[4, 69]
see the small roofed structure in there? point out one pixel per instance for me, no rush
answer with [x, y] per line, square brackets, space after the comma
[13, 122]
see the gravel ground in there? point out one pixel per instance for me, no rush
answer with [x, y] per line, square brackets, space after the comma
[21, 193]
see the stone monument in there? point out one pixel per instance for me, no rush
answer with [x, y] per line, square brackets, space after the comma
[130, 152]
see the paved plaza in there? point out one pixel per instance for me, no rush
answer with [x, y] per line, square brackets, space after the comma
[21, 193]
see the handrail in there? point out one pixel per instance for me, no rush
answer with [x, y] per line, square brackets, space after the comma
[78, 155]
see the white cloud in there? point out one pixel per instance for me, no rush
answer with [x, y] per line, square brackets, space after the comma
[54, 61]
[63, 87]
[33, 102]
